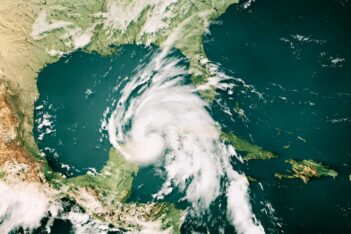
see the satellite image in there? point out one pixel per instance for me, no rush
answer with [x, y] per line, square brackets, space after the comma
[175, 116]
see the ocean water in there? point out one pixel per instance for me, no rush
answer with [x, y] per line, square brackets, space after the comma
[297, 56]
[74, 95]
[290, 66]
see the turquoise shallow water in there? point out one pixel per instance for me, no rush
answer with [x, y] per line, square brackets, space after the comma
[296, 57]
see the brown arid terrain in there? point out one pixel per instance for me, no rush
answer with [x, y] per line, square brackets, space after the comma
[23, 170]
[35, 33]
[20, 61]
[12, 153]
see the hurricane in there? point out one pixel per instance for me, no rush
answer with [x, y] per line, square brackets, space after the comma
[161, 120]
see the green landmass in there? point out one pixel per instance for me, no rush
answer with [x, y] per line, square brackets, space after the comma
[36, 33]
[2, 174]
[112, 187]
[306, 170]
[250, 151]
[113, 183]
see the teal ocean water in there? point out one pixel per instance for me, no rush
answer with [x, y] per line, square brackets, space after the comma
[291, 64]
[297, 55]
[74, 94]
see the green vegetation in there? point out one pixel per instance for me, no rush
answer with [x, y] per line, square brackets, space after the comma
[102, 23]
[307, 169]
[2, 174]
[54, 178]
[59, 27]
[170, 216]
[250, 151]
[113, 186]
[183, 30]
[113, 183]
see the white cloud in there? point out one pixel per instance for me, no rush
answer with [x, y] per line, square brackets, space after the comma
[171, 126]
[22, 205]
[42, 26]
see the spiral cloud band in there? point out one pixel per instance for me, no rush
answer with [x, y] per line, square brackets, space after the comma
[159, 118]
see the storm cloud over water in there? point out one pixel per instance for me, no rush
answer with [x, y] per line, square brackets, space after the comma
[160, 118]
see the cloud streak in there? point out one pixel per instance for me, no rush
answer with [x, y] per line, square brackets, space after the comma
[161, 119]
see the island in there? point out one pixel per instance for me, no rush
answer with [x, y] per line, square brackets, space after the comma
[249, 151]
[306, 170]
[36, 33]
